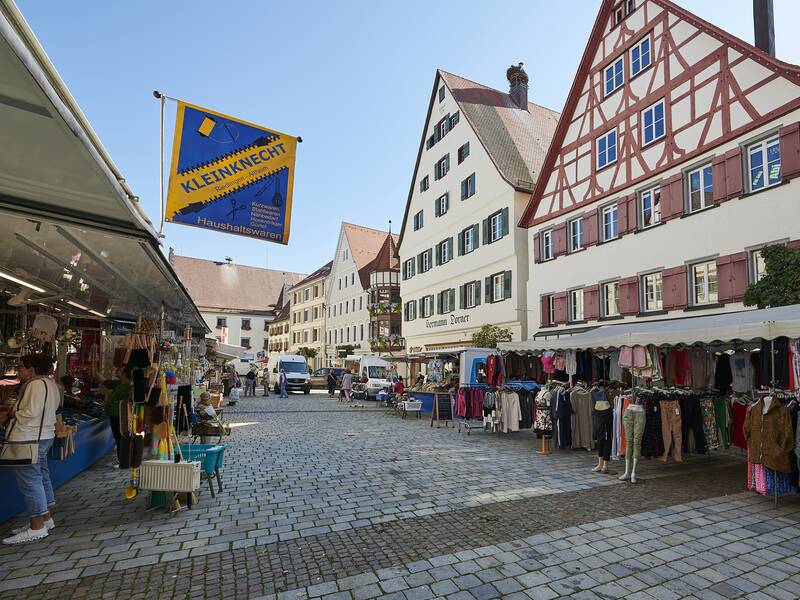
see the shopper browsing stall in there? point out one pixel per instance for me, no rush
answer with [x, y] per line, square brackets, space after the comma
[31, 430]
[118, 391]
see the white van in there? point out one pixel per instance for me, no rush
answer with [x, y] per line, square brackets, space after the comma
[298, 376]
[376, 371]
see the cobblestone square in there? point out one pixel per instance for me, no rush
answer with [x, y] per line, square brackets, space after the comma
[326, 501]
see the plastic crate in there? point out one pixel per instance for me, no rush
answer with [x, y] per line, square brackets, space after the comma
[210, 456]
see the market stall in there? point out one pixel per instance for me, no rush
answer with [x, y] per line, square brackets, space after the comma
[693, 384]
[80, 255]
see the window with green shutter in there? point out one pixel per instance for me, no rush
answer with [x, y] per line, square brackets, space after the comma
[468, 187]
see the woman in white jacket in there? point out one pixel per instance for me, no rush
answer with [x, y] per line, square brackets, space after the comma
[33, 417]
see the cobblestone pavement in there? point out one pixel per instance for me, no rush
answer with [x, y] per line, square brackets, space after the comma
[322, 499]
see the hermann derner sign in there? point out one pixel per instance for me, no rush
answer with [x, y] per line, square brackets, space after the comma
[230, 175]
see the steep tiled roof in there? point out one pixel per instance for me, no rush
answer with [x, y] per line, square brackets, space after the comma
[222, 286]
[323, 271]
[283, 314]
[387, 257]
[517, 140]
[365, 243]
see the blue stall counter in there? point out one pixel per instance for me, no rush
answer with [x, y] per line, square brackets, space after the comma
[93, 442]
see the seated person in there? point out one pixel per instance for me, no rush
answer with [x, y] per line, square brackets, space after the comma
[206, 414]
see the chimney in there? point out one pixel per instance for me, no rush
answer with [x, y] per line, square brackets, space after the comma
[518, 85]
[764, 26]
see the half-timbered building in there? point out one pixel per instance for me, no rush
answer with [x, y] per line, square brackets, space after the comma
[673, 164]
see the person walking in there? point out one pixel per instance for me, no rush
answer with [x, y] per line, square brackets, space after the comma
[33, 417]
[282, 384]
[250, 383]
[265, 382]
[331, 384]
[347, 384]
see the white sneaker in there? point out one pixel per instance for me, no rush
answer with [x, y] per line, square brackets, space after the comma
[29, 535]
[49, 524]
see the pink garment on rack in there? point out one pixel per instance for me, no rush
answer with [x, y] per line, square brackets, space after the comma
[548, 362]
[476, 404]
[626, 357]
[639, 357]
[560, 362]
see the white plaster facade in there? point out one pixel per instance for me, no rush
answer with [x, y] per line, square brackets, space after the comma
[450, 326]
[307, 317]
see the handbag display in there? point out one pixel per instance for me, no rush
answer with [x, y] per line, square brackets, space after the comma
[22, 454]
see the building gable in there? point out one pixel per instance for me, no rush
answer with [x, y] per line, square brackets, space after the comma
[713, 86]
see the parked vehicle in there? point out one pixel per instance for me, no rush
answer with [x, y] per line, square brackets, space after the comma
[298, 376]
[373, 370]
[319, 378]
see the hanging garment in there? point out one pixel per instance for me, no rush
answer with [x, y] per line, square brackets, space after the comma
[560, 362]
[476, 403]
[769, 436]
[723, 421]
[623, 439]
[625, 357]
[692, 420]
[683, 375]
[639, 357]
[614, 370]
[709, 423]
[570, 362]
[699, 367]
[794, 363]
[653, 438]
[492, 369]
[764, 481]
[742, 372]
[564, 417]
[533, 368]
[526, 408]
[581, 402]
[723, 376]
[489, 402]
[602, 431]
[633, 420]
[671, 428]
[548, 360]
[739, 413]
[616, 404]
[510, 414]
[514, 367]
[543, 422]
[781, 363]
[461, 403]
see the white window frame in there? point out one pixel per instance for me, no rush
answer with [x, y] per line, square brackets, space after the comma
[757, 267]
[609, 300]
[575, 227]
[470, 296]
[426, 310]
[709, 285]
[650, 207]
[607, 211]
[419, 220]
[445, 296]
[547, 245]
[652, 289]
[441, 201]
[495, 227]
[575, 305]
[409, 268]
[763, 146]
[443, 165]
[424, 184]
[461, 156]
[652, 109]
[617, 71]
[469, 234]
[425, 262]
[703, 173]
[551, 309]
[470, 189]
[605, 137]
[631, 60]
[498, 279]
[444, 255]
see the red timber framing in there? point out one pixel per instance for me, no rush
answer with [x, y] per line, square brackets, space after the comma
[709, 87]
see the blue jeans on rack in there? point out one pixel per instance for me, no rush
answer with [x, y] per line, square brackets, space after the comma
[34, 483]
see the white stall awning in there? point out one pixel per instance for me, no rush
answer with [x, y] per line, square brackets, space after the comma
[766, 324]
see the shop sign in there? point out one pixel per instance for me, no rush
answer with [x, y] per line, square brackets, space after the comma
[230, 175]
[448, 320]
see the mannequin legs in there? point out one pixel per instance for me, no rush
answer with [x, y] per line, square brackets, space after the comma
[630, 470]
[602, 466]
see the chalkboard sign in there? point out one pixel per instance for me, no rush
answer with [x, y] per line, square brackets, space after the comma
[442, 409]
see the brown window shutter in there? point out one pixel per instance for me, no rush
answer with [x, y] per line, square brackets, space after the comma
[537, 248]
[732, 277]
[674, 291]
[629, 296]
[545, 314]
[591, 302]
[622, 216]
[672, 197]
[733, 173]
[790, 151]
[560, 239]
[794, 244]
[720, 191]
[590, 228]
[560, 302]
[630, 208]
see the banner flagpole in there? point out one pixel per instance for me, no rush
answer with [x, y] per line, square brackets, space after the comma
[162, 208]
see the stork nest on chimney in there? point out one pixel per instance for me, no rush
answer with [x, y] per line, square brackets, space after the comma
[516, 74]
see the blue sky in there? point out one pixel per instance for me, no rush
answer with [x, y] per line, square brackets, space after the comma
[352, 78]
